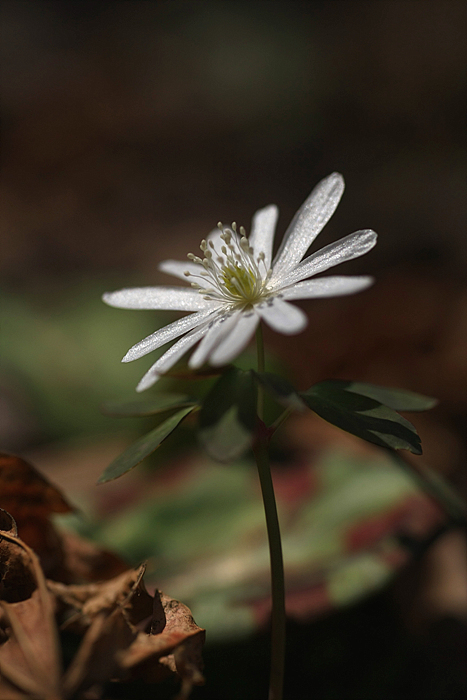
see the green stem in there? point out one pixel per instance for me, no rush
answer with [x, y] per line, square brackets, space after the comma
[277, 574]
[280, 420]
[434, 486]
[275, 548]
[260, 356]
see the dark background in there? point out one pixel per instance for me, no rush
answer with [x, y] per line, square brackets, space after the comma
[126, 123]
[131, 128]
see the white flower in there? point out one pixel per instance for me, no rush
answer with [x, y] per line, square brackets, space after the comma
[235, 285]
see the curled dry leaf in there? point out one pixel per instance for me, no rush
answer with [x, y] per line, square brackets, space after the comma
[109, 613]
[88, 601]
[96, 661]
[25, 493]
[31, 499]
[129, 633]
[177, 647]
[186, 659]
[112, 615]
[29, 652]
[8, 523]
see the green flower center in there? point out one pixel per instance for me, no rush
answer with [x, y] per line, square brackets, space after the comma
[232, 274]
[240, 281]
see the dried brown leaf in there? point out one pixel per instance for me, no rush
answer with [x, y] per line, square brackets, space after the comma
[96, 661]
[88, 601]
[84, 561]
[126, 631]
[32, 500]
[7, 523]
[25, 493]
[29, 651]
[177, 647]
[18, 576]
[114, 646]
[187, 660]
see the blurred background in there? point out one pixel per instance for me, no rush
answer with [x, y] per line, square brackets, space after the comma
[129, 130]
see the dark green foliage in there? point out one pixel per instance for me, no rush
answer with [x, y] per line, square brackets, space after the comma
[367, 418]
[143, 447]
[147, 407]
[228, 415]
[397, 399]
[281, 390]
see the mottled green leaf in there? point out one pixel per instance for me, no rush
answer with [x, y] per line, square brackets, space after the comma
[281, 389]
[206, 531]
[228, 415]
[146, 407]
[362, 416]
[143, 447]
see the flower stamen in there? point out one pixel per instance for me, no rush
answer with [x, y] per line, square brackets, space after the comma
[236, 276]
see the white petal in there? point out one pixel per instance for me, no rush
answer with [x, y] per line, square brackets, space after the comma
[236, 341]
[178, 268]
[262, 232]
[157, 298]
[215, 238]
[326, 287]
[218, 329]
[282, 316]
[312, 216]
[347, 248]
[171, 357]
[166, 334]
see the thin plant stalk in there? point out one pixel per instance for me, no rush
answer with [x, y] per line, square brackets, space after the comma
[261, 365]
[276, 681]
[280, 420]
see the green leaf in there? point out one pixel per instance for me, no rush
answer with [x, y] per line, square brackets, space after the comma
[183, 371]
[228, 416]
[281, 390]
[143, 447]
[362, 416]
[146, 407]
[397, 399]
